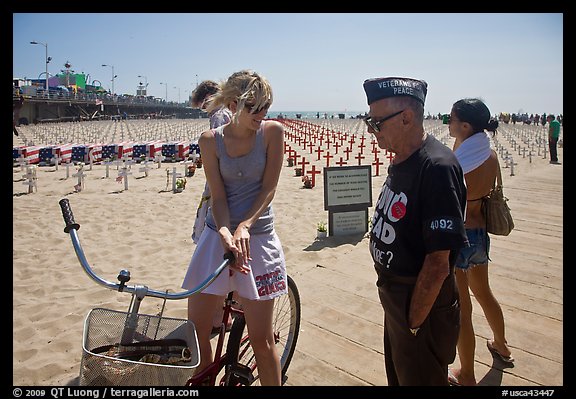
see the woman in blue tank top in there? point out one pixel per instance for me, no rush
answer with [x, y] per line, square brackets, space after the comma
[242, 162]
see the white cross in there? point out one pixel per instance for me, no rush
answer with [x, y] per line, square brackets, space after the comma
[91, 157]
[118, 162]
[159, 158]
[127, 161]
[68, 168]
[186, 164]
[145, 168]
[123, 174]
[56, 159]
[22, 162]
[80, 175]
[107, 162]
[31, 176]
[175, 176]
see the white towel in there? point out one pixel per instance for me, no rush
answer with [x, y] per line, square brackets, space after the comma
[473, 151]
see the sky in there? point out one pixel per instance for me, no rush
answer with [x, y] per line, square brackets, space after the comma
[314, 61]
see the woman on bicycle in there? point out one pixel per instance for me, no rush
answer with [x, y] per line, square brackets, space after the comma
[242, 162]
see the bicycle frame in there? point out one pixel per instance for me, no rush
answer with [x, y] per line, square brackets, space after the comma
[221, 359]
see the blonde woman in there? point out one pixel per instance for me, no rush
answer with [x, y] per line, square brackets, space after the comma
[242, 161]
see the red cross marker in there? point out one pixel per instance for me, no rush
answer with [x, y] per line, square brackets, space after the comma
[304, 162]
[341, 162]
[328, 156]
[314, 172]
[377, 163]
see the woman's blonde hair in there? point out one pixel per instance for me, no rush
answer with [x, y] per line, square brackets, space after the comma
[245, 86]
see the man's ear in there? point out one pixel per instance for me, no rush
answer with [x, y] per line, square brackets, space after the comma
[407, 116]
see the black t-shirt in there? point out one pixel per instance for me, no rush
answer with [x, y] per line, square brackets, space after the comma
[420, 210]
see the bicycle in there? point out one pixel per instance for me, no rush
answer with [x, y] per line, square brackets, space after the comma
[132, 348]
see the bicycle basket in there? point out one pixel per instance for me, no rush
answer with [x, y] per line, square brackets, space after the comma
[146, 351]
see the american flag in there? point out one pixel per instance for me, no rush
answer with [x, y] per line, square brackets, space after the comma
[195, 147]
[155, 148]
[94, 152]
[125, 149]
[17, 152]
[46, 154]
[139, 150]
[64, 151]
[109, 151]
[177, 151]
[30, 153]
[183, 150]
[79, 153]
[169, 150]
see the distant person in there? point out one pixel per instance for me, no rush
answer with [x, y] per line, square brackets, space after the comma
[220, 116]
[468, 123]
[242, 162]
[553, 136]
[16, 107]
[417, 232]
[200, 99]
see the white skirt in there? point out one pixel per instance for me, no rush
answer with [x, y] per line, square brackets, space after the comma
[266, 279]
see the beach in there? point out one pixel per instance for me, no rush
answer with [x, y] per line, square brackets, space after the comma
[147, 228]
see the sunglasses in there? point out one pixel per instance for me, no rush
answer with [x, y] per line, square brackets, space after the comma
[250, 108]
[375, 124]
[449, 120]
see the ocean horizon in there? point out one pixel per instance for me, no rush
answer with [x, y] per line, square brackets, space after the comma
[314, 114]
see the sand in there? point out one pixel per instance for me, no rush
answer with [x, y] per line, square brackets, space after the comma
[146, 229]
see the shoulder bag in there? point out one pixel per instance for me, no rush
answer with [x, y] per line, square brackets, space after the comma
[498, 217]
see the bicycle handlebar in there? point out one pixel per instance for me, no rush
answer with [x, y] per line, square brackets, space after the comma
[72, 227]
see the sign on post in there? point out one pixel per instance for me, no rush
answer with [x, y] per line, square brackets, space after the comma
[347, 197]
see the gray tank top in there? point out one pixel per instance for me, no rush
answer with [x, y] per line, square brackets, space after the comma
[242, 177]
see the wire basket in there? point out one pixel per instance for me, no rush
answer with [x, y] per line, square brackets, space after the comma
[114, 329]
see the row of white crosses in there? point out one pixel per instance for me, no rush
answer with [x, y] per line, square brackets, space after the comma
[522, 138]
[110, 132]
[527, 141]
[123, 166]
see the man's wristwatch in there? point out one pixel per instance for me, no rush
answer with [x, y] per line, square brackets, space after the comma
[414, 331]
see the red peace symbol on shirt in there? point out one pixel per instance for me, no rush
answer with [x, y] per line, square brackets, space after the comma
[398, 210]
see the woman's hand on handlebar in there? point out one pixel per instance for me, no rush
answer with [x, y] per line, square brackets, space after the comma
[242, 241]
[234, 245]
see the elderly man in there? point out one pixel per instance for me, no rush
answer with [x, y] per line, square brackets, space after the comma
[417, 231]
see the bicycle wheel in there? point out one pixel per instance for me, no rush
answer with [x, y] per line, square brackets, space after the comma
[286, 324]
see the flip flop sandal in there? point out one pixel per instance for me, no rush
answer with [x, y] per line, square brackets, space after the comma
[498, 355]
[452, 379]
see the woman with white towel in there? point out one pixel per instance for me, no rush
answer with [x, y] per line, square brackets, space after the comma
[468, 122]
